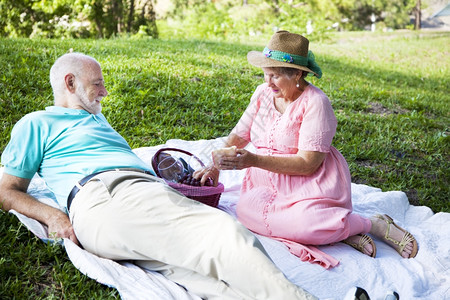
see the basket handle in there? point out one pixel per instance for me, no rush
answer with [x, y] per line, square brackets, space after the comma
[155, 158]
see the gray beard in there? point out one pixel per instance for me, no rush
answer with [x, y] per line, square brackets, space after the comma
[91, 106]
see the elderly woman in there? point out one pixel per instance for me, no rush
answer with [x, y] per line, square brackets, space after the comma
[297, 186]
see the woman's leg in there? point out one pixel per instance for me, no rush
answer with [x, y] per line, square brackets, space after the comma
[383, 227]
[358, 226]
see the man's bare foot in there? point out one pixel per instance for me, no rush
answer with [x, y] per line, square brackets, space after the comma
[384, 228]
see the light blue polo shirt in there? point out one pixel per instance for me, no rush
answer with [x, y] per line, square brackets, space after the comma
[64, 145]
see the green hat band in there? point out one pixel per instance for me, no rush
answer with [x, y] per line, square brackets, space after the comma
[299, 60]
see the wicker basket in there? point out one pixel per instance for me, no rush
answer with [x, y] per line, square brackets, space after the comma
[209, 195]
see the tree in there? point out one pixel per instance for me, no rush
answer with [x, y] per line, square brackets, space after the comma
[96, 16]
[418, 15]
[17, 17]
[391, 13]
[76, 18]
[130, 16]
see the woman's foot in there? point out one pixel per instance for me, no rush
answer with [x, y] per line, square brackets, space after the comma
[384, 228]
[363, 243]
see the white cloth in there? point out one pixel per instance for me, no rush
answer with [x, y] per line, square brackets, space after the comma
[425, 277]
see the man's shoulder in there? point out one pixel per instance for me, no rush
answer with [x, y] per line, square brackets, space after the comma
[51, 113]
[36, 119]
[34, 116]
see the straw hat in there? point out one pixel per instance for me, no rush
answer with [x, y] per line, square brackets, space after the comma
[286, 49]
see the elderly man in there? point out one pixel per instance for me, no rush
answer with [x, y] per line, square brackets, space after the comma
[116, 208]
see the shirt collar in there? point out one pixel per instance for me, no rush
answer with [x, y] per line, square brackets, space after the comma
[67, 111]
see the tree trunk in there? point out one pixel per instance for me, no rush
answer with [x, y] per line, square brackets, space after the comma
[98, 17]
[117, 12]
[276, 7]
[130, 16]
[418, 16]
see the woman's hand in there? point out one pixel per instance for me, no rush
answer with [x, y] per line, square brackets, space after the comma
[207, 173]
[243, 159]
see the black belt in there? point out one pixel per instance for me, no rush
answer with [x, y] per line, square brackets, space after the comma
[83, 181]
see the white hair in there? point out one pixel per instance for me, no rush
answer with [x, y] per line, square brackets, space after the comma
[68, 63]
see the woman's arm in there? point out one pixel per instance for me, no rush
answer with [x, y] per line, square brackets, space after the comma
[304, 163]
[235, 140]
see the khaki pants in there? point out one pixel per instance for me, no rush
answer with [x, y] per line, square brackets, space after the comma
[123, 215]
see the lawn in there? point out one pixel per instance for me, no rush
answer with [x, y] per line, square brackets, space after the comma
[390, 92]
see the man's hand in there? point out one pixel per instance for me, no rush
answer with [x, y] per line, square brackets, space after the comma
[13, 195]
[59, 226]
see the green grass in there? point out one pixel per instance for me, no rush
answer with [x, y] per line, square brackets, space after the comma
[31, 269]
[390, 93]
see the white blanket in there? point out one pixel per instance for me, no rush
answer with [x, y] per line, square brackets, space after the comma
[425, 277]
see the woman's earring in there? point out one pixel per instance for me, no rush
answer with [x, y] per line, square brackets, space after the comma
[297, 85]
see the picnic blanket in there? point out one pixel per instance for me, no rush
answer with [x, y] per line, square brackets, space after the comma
[427, 276]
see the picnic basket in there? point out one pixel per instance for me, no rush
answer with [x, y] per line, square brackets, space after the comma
[207, 194]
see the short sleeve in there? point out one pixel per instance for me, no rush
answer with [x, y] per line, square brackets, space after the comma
[24, 152]
[318, 125]
[244, 125]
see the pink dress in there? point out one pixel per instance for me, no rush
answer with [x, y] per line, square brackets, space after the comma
[301, 211]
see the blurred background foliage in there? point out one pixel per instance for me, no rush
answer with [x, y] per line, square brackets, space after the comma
[205, 19]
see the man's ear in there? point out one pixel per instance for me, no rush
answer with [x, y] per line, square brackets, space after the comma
[69, 79]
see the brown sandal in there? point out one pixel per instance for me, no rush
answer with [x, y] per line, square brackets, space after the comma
[363, 240]
[407, 237]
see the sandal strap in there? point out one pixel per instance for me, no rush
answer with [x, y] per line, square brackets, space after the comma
[363, 240]
[406, 239]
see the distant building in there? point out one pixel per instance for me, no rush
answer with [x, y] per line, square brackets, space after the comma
[438, 17]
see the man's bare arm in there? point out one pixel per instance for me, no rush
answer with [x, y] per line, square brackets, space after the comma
[13, 195]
